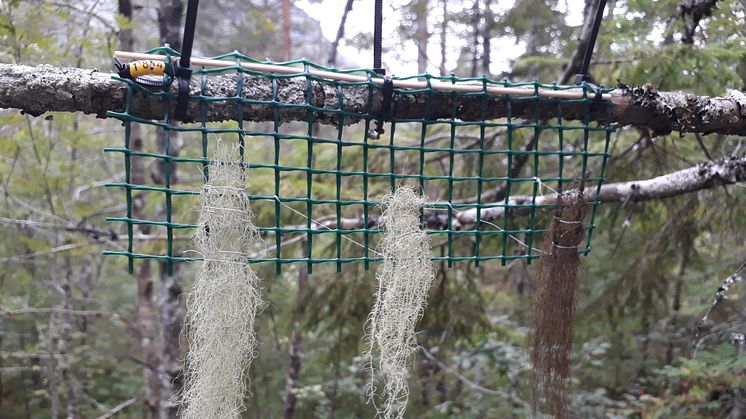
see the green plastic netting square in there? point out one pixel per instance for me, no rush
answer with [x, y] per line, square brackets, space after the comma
[316, 188]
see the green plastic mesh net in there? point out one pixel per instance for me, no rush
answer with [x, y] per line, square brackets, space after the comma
[485, 161]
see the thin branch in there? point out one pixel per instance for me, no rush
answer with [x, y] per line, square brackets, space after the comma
[54, 250]
[702, 146]
[720, 295]
[57, 310]
[120, 407]
[31, 355]
[71, 227]
[471, 384]
[98, 236]
[90, 13]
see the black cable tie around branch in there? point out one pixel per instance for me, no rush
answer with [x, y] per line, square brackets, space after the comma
[384, 113]
[597, 94]
[183, 70]
[388, 84]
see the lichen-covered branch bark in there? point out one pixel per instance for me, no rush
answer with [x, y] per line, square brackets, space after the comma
[707, 175]
[36, 90]
[724, 171]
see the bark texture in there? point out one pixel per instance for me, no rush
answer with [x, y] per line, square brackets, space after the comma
[36, 90]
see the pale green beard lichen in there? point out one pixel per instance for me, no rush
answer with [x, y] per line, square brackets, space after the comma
[404, 279]
[225, 298]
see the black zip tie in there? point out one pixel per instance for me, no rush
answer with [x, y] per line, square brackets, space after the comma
[597, 92]
[183, 69]
[384, 113]
[583, 75]
[377, 38]
[583, 78]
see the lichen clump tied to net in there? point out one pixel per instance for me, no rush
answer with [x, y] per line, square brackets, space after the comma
[225, 298]
[404, 279]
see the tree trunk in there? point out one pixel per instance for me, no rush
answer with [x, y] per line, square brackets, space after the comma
[296, 341]
[169, 22]
[421, 35]
[170, 311]
[147, 329]
[291, 385]
[476, 18]
[487, 38]
[739, 391]
[145, 316]
[65, 338]
[286, 28]
[51, 371]
[673, 334]
[340, 34]
[443, 37]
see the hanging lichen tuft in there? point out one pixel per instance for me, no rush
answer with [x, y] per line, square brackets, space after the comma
[553, 306]
[225, 298]
[404, 279]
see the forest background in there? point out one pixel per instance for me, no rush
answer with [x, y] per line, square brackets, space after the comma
[80, 337]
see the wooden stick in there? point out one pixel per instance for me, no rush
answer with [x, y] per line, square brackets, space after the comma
[352, 78]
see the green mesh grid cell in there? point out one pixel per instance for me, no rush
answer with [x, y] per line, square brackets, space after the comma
[317, 189]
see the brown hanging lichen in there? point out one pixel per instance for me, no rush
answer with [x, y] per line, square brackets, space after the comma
[553, 306]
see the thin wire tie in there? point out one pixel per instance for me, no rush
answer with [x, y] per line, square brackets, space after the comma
[559, 246]
[544, 185]
[559, 220]
[321, 224]
[517, 240]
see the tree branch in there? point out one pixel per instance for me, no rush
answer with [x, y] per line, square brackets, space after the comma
[720, 295]
[706, 175]
[471, 384]
[696, 10]
[36, 90]
[118, 408]
[57, 310]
